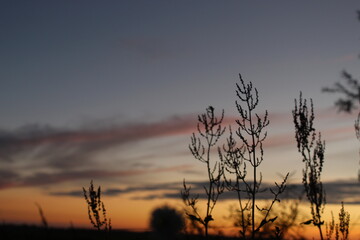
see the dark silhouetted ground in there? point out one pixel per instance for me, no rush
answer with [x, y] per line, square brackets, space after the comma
[22, 232]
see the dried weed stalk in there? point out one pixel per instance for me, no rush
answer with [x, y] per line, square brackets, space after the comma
[232, 157]
[344, 222]
[330, 228]
[44, 222]
[312, 151]
[210, 130]
[252, 134]
[96, 209]
[357, 132]
[341, 227]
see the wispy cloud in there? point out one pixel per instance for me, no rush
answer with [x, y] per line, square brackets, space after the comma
[51, 142]
[36, 155]
[346, 191]
[34, 135]
[11, 179]
[120, 191]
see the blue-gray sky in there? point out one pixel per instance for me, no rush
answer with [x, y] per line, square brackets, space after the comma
[64, 62]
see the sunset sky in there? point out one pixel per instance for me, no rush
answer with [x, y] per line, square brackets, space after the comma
[110, 91]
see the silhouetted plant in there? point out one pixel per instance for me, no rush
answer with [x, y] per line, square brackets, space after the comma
[210, 130]
[312, 151]
[357, 127]
[240, 218]
[357, 132]
[96, 209]
[44, 222]
[341, 227]
[350, 91]
[330, 228]
[167, 222]
[285, 226]
[288, 214]
[252, 134]
[235, 165]
[344, 222]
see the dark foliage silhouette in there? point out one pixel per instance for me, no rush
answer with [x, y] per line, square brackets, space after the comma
[349, 90]
[166, 222]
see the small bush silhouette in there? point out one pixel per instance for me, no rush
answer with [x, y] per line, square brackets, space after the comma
[166, 221]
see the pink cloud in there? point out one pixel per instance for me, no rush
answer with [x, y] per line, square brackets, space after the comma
[67, 151]
[346, 58]
[39, 179]
[124, 133]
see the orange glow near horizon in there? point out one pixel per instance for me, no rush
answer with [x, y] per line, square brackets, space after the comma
[19, 207]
